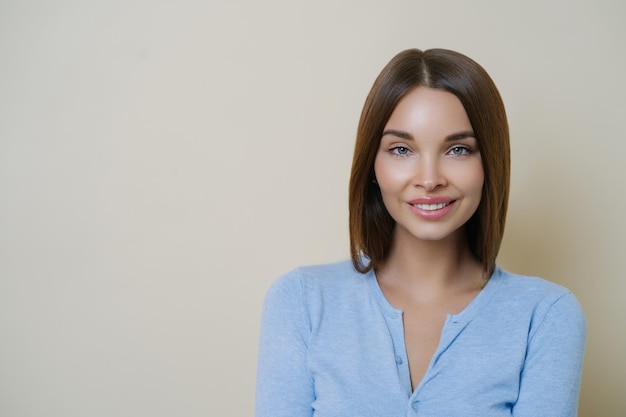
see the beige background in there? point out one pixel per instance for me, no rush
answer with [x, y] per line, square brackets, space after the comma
[161, 162]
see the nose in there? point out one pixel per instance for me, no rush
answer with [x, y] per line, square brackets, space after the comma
[428, 174]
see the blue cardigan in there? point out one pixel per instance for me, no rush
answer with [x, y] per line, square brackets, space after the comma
[332, 346]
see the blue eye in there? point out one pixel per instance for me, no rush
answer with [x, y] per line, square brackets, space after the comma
[459, 150]
[400, 150]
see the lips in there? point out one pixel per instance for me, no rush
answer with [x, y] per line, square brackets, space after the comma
[430, 207]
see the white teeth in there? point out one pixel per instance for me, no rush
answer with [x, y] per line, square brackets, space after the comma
[429, 207]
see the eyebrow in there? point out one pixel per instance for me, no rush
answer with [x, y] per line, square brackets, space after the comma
[451, 137]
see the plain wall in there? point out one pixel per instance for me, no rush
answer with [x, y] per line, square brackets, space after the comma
[161, 162]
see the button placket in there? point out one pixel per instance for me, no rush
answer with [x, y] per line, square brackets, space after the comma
[399, 355]
[396, 331]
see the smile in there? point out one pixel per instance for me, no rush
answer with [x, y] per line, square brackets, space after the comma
[430, 207]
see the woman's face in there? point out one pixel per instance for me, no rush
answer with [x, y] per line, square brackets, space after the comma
[428, 166]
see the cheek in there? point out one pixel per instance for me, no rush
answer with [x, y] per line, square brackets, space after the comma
[474, 180]
[385, 179]
[389, 176]
[469, 179]
[379, 169]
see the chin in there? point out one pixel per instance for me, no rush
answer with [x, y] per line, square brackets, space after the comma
[431, 234]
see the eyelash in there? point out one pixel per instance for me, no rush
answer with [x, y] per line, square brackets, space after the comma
[395, 150]
[466, 149]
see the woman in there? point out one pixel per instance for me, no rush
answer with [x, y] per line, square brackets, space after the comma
[422, 321]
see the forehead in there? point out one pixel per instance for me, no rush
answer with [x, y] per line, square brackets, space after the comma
[429, 110]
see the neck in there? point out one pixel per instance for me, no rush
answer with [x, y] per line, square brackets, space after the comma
[430, 267]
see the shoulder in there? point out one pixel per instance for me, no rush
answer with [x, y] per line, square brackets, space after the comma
[323, 277]
[530, 288]
[316, 288]
[539, 298]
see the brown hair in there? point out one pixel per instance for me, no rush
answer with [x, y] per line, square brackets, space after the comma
[371, 226]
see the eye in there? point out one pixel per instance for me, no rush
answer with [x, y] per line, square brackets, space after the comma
[459, 150]
[400, 150]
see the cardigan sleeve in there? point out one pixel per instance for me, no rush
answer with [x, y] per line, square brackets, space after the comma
[284, 387]
[550, 379]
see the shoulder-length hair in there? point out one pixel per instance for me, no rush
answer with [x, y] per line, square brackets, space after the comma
[371, 226]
